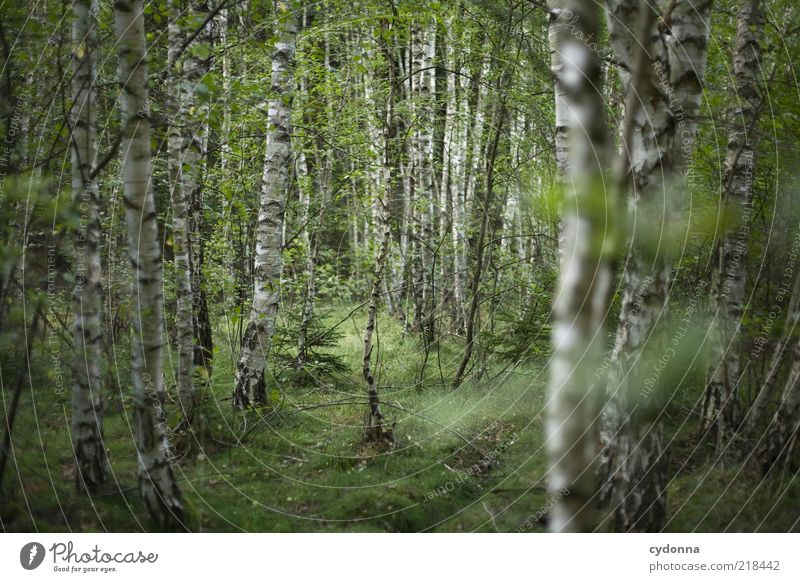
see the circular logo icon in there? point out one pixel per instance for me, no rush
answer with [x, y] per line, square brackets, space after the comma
[31, 555]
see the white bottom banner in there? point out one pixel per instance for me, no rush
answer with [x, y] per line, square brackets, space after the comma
[387, 557]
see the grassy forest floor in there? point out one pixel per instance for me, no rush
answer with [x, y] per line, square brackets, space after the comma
[307, 470]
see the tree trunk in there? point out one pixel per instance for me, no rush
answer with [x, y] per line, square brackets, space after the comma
[586, 274]
[459, 229]
[557, 25]
[87, 401]
[373, 430]
[180, 219]
[252, 366]
[781, 450]
[10, 408]
[226, 135]
[633, 465]
[157, 484]
[721, 407]
[305, 188]
[425, 90]
[201, 321]
[374, 427]
[307, 184]
[225, 73]
[446, 184]
[319, 183]
[480, 244]
[195, 140]
[764, 396]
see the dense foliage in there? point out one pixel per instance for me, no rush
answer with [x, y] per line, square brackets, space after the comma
[329, 175]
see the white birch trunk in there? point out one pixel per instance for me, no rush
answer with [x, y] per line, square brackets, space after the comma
[225, 70]
[459, 234]
[195, 144]
[721, 409]
[585, 280]
[305, 188]
[307, 185]
[374, 427]
[180, 220]
[87, 402]
[558, 23]
[427, 119]
[252, 365]
[634, 469]
[157, 484]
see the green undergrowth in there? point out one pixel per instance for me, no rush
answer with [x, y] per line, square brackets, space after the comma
[466, 459]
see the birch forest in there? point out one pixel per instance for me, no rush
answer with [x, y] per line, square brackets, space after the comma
[399, 266]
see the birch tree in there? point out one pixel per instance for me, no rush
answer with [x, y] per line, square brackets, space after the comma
[196, 133]
[557, 24]
[585, 281]
[180, 219]
[449, 293]
[477, 167]
[459, 228]
[770, 383]
[87, 401]
[721, 408]
[374, 427]
[425, 44]
[781, 451]
[306, 184]
[252, 365]
[318, 184]
[157, 484]
[633, 464]
[305, 188]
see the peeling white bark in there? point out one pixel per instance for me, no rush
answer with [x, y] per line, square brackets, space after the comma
[585, 280]
[666, 105]
[180, 220]
[721, 408]
[87, 401]
[252, 364]
[157, 484]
